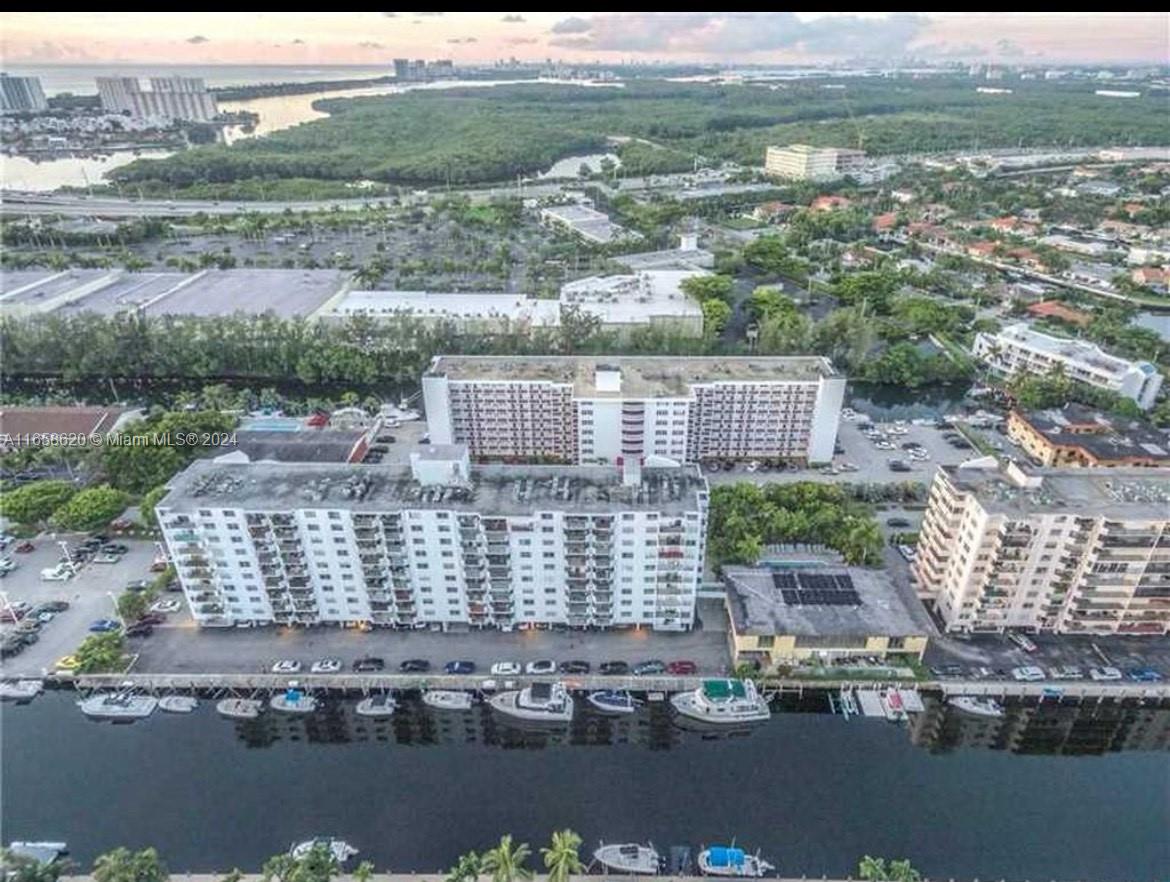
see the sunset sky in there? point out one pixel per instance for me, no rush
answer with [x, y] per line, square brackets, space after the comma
[755, 37]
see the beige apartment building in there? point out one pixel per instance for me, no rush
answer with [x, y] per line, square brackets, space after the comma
[1059, 550]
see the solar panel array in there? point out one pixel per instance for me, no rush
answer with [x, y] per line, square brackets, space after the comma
[816, 589]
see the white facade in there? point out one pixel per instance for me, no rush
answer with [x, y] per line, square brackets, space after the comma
[21, 95]
[1018, 349]
[608, 410]
[503, 547]
[802, 162]
[1070, 551]
[170, 98]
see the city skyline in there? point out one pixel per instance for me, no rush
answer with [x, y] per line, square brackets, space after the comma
[748, 37]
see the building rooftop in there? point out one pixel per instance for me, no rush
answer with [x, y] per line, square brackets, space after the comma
[829, 600]
[672, 258]
[493, 490]
[445, 306]
[61, 420]
[315, 445]
[655, 376]
[1138, 493]
[589, 222]
[1075, 425]
[634, 299]
[1073, 350]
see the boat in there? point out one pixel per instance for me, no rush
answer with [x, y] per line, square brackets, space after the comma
[447, 699]
[41, 852]
[178, 704]
[339, 848]
[239, 708]
[118, 706]
[630, 857]
[613, 701]
[539, 702]
[382, 705]
[293, 701]
[980, 707]
[724, 860]
[892, 705]
[20, 690]
[724, 702]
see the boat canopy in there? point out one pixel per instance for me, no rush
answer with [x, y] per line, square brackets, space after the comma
[721, 690]
[721, 856]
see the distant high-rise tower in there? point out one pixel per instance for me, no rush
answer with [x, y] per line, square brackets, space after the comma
[21, 95]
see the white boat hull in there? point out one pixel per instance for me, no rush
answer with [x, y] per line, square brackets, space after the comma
[118, 707]
[686, 704]
[753, 867]
[305, 704]
[239, 708]
[979, 707]
[21, 690]
[447, 699]
[595, 699]
[632, 858]
[339, 848]
[178, 704]
[508, 704]
[376, 707]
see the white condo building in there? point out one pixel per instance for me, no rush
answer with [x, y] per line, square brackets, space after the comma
[21, 94]
[1060, 550]
[802, 162]
[439, 542]
[609, 410]
[183, 98]
[1018, 348]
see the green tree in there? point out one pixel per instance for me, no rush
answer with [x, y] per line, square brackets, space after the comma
[99, 653]
[146, 507]
[505, 862]
[124, 865]
[766, 302]
[562, 858]
[318, 865]
[873, 869]
[91, 508]
[364, 871]
[133, 605]
[468, 868]
[716, 315]
[33, 503]
[20, 868]
[704, 288]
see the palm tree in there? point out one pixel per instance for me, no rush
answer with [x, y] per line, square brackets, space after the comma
[505, 862]
[467, 869]
[364, 871]
[124, 865]
[561, 858]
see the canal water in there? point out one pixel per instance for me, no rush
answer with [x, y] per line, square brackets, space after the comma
[1046, 792]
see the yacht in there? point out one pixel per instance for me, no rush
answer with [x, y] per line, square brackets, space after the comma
[723, 701]
[382, 705]
[631, 857]
[20, 690]
[447, 699]
[723, 860]
[293, 701]
[613, 701]
[239, 708]
[539, 702]
[338, 848]
[980, 707]
[178, 704]
[118, 706]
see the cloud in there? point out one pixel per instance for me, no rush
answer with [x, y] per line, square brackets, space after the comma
[370, 44]
[429, 13]
[572, 25]
[734, 33]
[513, 19]
[950, 50]
[520, 41]
[458, 40]
[198, 39]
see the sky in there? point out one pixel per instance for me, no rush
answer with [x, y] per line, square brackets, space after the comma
[372, 38]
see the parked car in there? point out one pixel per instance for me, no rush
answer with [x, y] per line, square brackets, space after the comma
[410, 666]
[459, 667]
[1066, 672]
[60, 573]
[506, 669]
[67, 663]
[287, 666]
[102, 626]
[106, 558]
[137, 585]
[45, 616]
[682, 668]
[614, 668]
[909, 552]
[115, 548]
[139, 629]
[575, 667]
[541, 666]
[1144, 675]
[897, 523]
[1021, 641]
[648, 668]
[151, 619]
[1104, 674]
[55, 605]
[1029, 673]
[170, 605]
[326, 666]
[25, 548]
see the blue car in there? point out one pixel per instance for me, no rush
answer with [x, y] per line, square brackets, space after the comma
[1144, 675]
[459, 667]
[101, 626]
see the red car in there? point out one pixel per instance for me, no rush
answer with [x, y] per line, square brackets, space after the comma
[682, 668]
[25, 548]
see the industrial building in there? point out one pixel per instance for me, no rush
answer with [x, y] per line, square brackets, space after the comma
[1019, 349]
[439, 542]
[802, 162]
[600, 410]
[625, 303]
[588, 223]
[169, 98]
[1060, 550]
[21, 94]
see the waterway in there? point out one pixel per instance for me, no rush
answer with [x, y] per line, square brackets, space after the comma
[1046, 792]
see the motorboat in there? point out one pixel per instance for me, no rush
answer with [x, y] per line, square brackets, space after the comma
[239, 708]
[894, 707]
[980, 707]
[118, 706]
[178, 704]
[340, 850]
[540, 702]
[41, 852]
[727, 860]
[613, 701]
[293, 701]
[20, 690]
[447, 699]
[630, 857]
[382, 705]
[723, 701]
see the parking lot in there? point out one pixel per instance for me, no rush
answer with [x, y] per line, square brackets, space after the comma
[87, 593]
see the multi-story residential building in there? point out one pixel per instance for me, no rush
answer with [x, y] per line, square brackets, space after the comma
[21, 94]
[1075, 435]
[802, 162]
[614, 409]
[1019, 349]
[183, 98]
[1062, 550]
[439, 542]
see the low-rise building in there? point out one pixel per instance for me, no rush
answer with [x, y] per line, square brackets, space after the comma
[65, 426]
[588, 223]
[1019, 349]
[626, 303]
[817, 610]
[1076, 435]
[802, 162]
[1061, 550]
[1062, 311]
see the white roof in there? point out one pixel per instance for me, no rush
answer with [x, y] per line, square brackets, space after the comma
[635, 298]
[437, 305]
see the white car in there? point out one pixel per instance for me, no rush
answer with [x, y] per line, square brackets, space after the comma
[7, 565]
[287, 666]
[506, 669]
[170, 605]
[1029, 674]
[541, 666]
[908, 551]
[1104, 674]
[59, 573]
[107, 558]
[326, 666]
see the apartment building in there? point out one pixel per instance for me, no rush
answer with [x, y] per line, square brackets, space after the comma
[21, 94]
[608, 410]
[802, 162]
[439, 542]
[1060, 550]
[183, 98]
[1019, 349]
[1080, 436]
